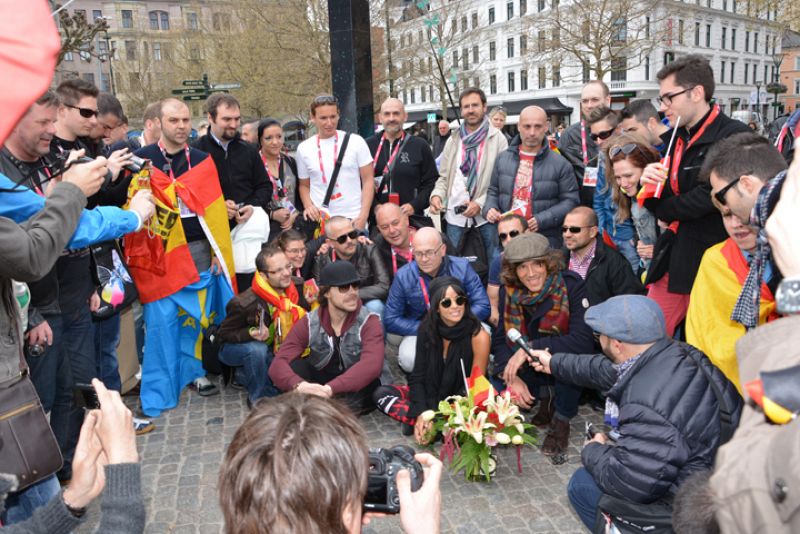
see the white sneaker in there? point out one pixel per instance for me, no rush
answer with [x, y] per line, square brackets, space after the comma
[204, 387]
[142, 426]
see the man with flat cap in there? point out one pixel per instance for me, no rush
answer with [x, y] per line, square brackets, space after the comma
[337, 349]
[663, 403]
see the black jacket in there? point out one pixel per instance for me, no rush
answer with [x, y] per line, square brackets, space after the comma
[610, 275]
[668, 418]
[241, 172]
[700, 222]
[571, 147]
[414, 173]
[375, 277]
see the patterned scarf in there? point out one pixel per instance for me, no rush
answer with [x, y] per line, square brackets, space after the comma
[284, 308]
[555, 321]
[471, 143]
[746, 310]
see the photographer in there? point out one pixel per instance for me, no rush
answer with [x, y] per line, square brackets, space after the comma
[659, 400]
[299, 464]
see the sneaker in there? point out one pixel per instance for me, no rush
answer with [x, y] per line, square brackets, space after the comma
[142, 426]
[204, 387]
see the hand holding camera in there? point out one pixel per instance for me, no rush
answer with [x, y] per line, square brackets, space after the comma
[88, 174]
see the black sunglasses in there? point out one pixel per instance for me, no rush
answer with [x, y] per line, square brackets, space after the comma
[572, 229]
[342, 239]
[459, 301]
[86, 113]
[720, 195]
[323, 100]
[602, 135]
[624, 149]
[346, 288]
[512, 234]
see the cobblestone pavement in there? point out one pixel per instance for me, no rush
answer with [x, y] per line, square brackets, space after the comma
[181, 457]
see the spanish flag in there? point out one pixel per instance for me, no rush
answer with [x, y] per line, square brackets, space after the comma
[479, 386]
[158, 254]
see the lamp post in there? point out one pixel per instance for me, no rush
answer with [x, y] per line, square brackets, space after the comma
[777, 59]
[109, 55]
[758, 100]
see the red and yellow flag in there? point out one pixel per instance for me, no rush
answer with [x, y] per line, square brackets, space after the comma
[158, 254]
[479, 386]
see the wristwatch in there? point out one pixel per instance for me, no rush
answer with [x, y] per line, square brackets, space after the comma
[787, 297]
[76, 512]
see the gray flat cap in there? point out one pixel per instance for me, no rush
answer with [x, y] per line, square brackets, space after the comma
[628, 318]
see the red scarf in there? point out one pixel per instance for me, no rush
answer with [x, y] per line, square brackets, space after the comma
[285, 311]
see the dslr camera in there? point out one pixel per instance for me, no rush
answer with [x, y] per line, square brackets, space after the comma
[384, 464]
[135, 165]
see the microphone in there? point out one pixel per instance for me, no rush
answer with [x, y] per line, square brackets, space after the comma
[516, 338]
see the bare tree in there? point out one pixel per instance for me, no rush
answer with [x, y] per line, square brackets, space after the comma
[78, 34]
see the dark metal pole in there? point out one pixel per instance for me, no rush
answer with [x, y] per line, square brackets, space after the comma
[351, 64]
[389, 65]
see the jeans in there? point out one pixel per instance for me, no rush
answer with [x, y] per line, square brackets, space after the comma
[376, 306]
[567, 395]
[488, 233]
[628, 249]
[20, 505]
[254, 358]
[44, 368]
[584, 496]
[106, 341]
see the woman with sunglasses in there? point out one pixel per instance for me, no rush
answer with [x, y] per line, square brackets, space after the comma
[545, 303]
[450, 339]
[620, 233]
[628, 155]
[282, 172]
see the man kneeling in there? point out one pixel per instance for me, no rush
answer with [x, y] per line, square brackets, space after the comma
[337, 349]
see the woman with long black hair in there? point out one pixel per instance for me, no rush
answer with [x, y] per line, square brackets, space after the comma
[282, 172]
[450, 338]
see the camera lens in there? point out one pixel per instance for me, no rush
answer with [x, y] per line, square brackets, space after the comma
[36, 350]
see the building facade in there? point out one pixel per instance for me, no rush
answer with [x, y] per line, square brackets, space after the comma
[790, 71]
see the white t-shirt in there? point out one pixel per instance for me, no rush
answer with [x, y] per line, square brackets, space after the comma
[460, 196]
[346, 198]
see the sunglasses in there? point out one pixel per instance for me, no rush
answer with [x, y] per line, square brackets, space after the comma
[86, 113]
[572, 229]
[348, 287]
[510, 235]
[459, 301]
[326, 100]
[602, 135]
[624, 149]
[719, 196]
[342, 239]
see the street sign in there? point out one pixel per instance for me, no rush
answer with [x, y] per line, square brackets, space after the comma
[219, 91]
[195, 97]
[431, 118]
[193, 83]
[225, 86]
[190, 91]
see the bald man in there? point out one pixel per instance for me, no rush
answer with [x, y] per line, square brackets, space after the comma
[405, 171]
[250, 133]
[533, 181]
[441, 137]
[409, 300]
[605, 271]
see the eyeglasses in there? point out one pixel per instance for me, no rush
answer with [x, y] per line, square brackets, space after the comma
[425, 254]
[510, 235]
[459, 301]
[624, 149]
[666, 99]
[344, 289]
[342, 239]
[602, 135]
[288, 267]
[719, 196]
[573, 229]
[86, 113]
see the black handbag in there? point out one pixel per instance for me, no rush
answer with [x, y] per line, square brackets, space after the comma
[626, 517]
[115, 286]
[472, 249]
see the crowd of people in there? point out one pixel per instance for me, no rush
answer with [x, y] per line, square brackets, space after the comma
[368, 273]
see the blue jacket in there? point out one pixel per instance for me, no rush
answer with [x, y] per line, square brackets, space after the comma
[94, 226]
[406, 307]
[606, 210]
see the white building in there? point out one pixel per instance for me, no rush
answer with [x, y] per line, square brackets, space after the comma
[494, 45]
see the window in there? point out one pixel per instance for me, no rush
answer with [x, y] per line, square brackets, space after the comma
[454, 27]
[724, 5]
[97, 14]
[156, 51]
[492, 84]
[697, 34]
[620, 30]
[510, 10]
[746, 41]
[619, 69]
[797, 62]
[523, 80]
[510, 47]
[104, 82]
[133, 79]
[585, 72]
[733, 38]
[476, 82]
[722, 71]
[755, 74]
[556, 37]
[680, 32]
[102, 48]
[405, 96]
[755, 42]
[541, 43]
[221, 22]
[541, 6]
[724, 38]
[422, 94]
[491, 15]
[474, 20]
[476, 54]
[523, 45]
[430, 92]
[542, 78]
[556, 76]
[68, 56]
[127, 18]
[708, 35]
[413, 95]
[192, 22]
[733, 71]
[765, 78]
[511, 84]
[130, 50]
[647, 27]
[154, 20]
[669, 57]
[492, 51]
[194, 53]
[89, 77]
[523, 7]
[464, 24]
[419, 40]
[455, 59]
[465, 58]
[746, 72]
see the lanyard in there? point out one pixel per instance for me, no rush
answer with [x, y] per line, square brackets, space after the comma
[583, 144]
[335, 153]
[425, 293]
[393, 154]
[169, 160]
[277, 183]
[680, 149]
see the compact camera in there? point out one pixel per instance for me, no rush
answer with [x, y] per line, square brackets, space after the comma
[458, 210]
[384, 464]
